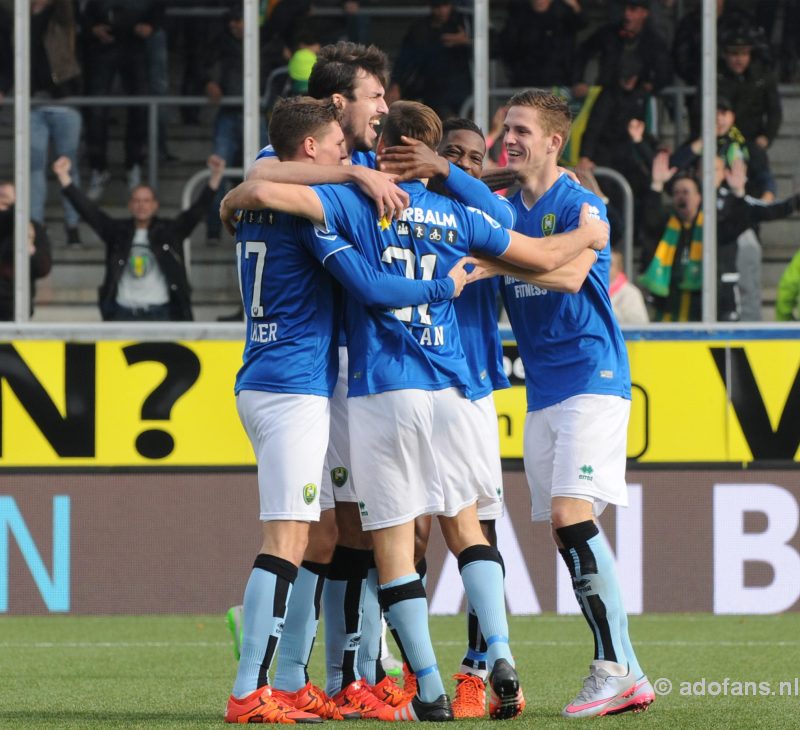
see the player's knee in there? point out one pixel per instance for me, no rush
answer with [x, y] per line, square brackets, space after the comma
[348, 522]
[566, 511]
[322, 538]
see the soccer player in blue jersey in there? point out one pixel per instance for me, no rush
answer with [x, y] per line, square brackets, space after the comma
[283, 390]
[410, 395]
[578, 389]
[464, 145]
[353, 77]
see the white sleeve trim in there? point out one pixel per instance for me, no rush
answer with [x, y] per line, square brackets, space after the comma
[341, 248]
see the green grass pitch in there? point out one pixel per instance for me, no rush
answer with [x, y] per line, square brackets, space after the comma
[176, 671]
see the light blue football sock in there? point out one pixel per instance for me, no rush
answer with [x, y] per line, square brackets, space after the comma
[265, 598]
[605, 588]
[300, 628]
[594, 580]
[369, 651]
[482, 574]
[406, 610]
[343, 607]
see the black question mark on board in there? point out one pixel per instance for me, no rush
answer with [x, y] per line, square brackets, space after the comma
[183, 369]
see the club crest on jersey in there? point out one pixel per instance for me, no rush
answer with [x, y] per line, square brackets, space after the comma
[339, 476]
[309, 493]
[549, 224]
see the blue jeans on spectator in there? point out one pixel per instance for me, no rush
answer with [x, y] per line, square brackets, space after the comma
[158, 78]
[62, 124]
[228, 145]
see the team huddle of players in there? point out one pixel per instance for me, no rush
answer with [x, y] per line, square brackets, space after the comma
[370, 360]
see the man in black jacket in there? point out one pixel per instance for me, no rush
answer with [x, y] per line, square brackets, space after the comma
[145, 276]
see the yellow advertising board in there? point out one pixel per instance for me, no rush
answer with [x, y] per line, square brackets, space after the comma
[112, 403]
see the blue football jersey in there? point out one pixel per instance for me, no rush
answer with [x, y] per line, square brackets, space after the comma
[570, 344]
[290, 303]
[476, 308]
[476, 312]
[412, 347]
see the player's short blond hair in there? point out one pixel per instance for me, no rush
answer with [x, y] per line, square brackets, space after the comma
[554, 114]
[412, 119]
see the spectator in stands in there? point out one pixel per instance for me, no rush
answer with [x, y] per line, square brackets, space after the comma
[751, 87]
[116, 47]
[433, 65]
[608, 141]
[54, 73]
[286, 19]
[687, 46]
[748, 246]
[787, 301]
[226, 78]
[145, 277]
[538, 42]
[674, 276]
[627, 300]
[731, 145]
[619, 47]
[38, 249]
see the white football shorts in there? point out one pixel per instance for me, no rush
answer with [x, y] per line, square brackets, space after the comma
[289, 434]
[577, 448]
[490, 451]
[415, 455]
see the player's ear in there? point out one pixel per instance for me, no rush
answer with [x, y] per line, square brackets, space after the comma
[310, 147]
[338, 100]
[555, 143]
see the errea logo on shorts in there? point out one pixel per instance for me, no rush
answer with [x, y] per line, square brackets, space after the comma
[309, 493]
[586, 472]
[363, 509]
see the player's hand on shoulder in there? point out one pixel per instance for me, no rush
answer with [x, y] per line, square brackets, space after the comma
[597, 229]
[412, 160]
[390, 200]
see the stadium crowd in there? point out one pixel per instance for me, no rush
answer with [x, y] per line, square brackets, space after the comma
[609, 60]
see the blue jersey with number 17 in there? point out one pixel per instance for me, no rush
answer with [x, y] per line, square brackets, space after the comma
[570, 344]
[413, 347]
[290, 302]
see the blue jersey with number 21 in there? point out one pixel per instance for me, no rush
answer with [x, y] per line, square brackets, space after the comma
[412, 347]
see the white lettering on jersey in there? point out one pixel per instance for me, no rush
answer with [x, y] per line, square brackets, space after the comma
[523, 290]
[436, 340]
[264, 332]
[435, 217]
